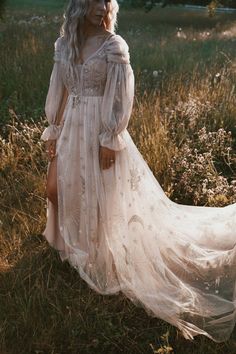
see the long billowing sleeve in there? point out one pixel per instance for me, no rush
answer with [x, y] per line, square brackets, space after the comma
[54, 96]
[118, 95]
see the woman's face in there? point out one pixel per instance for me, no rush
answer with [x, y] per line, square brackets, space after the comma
[97, 11]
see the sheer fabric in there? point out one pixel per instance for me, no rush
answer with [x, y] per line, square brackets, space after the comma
[117, 227]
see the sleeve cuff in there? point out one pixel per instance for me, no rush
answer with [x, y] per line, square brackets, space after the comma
[112, 141]
[51, 133]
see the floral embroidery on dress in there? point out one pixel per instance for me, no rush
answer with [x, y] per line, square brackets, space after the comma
[136, 218]
[127, 255]
[134, 179]
[82, 184]
[76, 101]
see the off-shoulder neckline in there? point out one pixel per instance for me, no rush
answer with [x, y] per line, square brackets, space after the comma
[96, 51]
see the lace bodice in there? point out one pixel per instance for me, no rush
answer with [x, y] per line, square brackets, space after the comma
[89, 78]
[107, 74]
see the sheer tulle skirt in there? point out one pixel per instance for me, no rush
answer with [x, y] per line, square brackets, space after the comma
[121, 232]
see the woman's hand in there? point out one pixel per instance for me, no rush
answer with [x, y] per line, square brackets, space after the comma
[51, 149]
[106, 157]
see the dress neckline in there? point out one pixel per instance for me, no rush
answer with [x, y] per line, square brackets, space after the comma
[96, 51]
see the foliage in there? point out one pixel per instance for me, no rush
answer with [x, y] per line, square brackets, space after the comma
[149, 4]
[2, 7]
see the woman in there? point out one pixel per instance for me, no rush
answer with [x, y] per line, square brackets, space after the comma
[107, 214]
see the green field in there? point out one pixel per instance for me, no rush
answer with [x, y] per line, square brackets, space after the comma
[30, 5]
[183, 123]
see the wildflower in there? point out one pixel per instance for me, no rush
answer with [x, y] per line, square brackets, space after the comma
[180, 34]
[217, 78]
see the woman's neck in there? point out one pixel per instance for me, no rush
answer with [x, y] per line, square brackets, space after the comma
[91, 31]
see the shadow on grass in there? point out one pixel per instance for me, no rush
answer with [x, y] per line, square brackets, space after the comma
[46, 308]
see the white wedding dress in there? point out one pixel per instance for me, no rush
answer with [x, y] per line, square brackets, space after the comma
[116, 226]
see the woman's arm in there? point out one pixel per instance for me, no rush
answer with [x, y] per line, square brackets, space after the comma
[117, 101]
[51, 143]
[62, 106]
[56, 96]
[118, 95]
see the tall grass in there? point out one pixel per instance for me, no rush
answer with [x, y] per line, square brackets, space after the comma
[48, 5]
[183, 123]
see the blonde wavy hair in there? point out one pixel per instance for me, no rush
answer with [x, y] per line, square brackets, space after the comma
[73, 27]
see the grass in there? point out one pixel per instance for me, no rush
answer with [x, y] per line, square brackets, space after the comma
[36, 5]
[184, 110]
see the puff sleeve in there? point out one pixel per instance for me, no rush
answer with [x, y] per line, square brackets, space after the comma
[118, 95]
[54, 95]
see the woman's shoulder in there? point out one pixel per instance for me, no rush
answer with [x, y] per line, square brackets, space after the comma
[60, 43]
[117, 49]
[59, 48]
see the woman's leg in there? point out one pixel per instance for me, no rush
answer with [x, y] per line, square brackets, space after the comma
[52, 231]
[51, 186]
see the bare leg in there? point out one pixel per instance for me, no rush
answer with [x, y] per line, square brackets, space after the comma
[52, 232]
[51, 186]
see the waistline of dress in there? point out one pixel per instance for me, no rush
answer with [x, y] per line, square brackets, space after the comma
[78, 99]
[84, 96]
